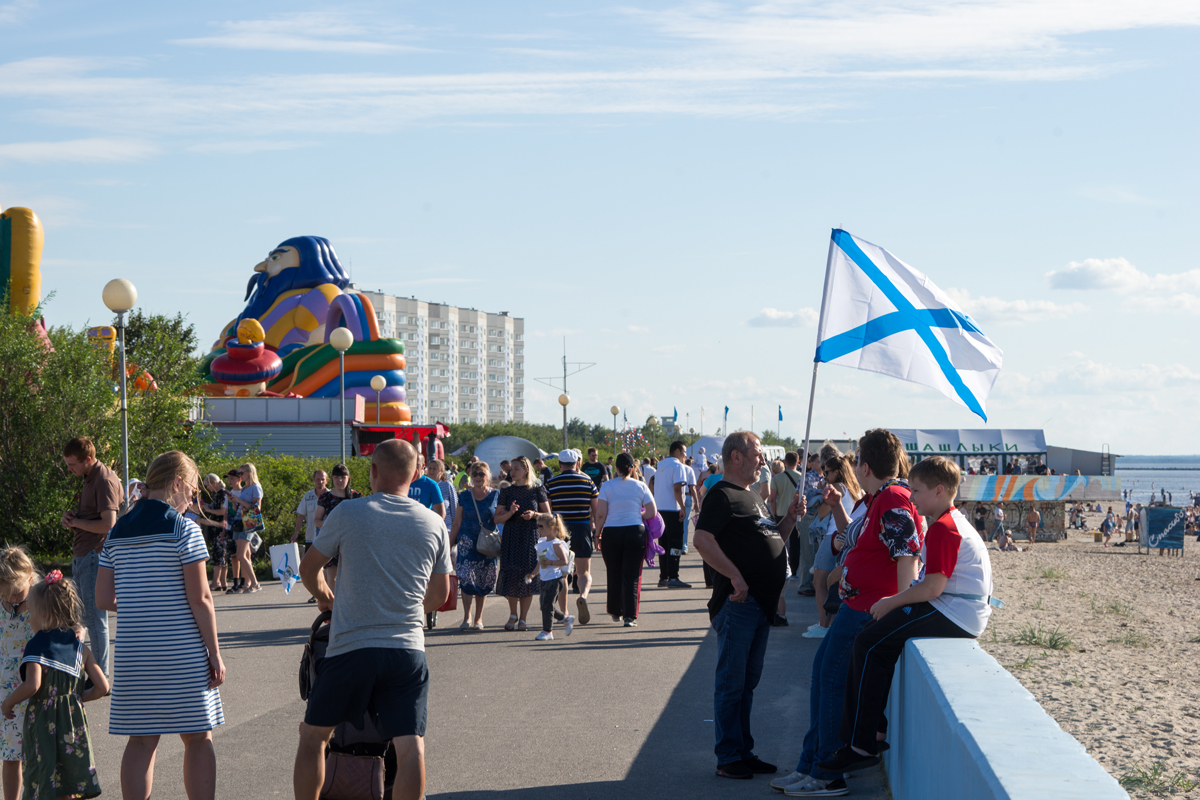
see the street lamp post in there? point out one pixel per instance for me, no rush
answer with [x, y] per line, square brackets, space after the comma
[563, 400]
[377, 383]
[120, 296]
[615, 411]
[342, 340]
[652, 421]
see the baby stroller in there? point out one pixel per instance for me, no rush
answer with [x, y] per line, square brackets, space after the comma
[356, 748]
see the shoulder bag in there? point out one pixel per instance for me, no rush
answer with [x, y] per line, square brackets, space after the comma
[487, 543]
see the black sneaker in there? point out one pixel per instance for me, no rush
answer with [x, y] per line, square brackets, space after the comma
[675, 583]
[759, 767]
[662, 583]
[846, 760]
[736, 770]
[780, 621]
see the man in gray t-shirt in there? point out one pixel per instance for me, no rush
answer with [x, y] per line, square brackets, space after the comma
[394, 566]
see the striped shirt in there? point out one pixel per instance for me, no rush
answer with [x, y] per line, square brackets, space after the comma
[160, 665]
[571, 495]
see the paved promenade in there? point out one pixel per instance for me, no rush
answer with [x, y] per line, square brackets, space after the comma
[607, 713]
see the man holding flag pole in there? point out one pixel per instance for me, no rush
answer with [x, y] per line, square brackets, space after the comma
[881, 315]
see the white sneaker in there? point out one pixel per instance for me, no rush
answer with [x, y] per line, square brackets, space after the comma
[790, 780]
[818, 788]
[569, 624]
[813, 627]
[544, 636]
[815, 633]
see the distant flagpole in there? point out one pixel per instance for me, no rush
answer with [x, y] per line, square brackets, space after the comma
[779, 425]
[812, 392]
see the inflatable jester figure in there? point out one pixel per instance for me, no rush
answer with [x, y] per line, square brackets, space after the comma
[279, 344]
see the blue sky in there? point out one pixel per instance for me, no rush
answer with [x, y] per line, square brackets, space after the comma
[655, 181]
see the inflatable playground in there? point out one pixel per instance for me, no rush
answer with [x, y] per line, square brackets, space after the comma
[279, 345]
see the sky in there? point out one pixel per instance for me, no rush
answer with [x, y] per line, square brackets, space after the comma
[655, 182]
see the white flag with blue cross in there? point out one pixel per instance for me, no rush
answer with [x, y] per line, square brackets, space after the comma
[881, 315]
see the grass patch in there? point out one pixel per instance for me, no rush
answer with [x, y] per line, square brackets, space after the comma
[1118, 607]
[1054, 573]
[1038, 606]
[1156, 780]
[1132, 639]
[1028, 663]
[1038, 637]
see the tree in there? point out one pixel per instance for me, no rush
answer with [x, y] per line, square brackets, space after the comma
[787, 442]
[163, 346]
[49, 395]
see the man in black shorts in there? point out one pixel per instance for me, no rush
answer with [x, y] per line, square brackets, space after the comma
[573, 496]
[392, 550]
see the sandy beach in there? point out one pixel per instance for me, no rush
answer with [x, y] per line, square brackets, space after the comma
[1125, 683]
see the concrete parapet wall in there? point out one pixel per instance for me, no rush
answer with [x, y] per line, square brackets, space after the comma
[961, 726]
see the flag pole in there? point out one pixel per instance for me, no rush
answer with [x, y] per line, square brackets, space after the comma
[812, 392]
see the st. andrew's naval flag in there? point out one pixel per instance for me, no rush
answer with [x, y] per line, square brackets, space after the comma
[881, 315]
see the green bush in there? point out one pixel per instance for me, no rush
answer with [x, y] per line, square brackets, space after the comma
[285, 479]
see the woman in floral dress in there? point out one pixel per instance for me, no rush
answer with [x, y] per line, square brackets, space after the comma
[517, 511]
[476, 572]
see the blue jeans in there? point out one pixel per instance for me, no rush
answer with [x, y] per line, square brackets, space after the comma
[742, 630]
[687, 520]
[828, 691]
[83, 570]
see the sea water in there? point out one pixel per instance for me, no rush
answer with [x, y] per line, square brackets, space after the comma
[1143, 475]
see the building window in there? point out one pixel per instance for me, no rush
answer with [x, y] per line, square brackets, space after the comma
[520, 409]
[520, 351]
[518, 379]
[520, 336]
[519, 365]
[519, 394]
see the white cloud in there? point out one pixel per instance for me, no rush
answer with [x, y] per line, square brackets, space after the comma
[1012, 312]
[1120, 275]
[1091, 377]
[800, 34]
[77, 151]
[306, 32]
[638, 329]
[771, 59]
[1114, 194]
[12, 13]
[247, 147]
[774, 318]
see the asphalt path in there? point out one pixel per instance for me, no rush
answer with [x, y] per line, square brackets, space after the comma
[609, 712]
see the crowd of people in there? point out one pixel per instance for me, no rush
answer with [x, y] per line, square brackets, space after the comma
[875, 542]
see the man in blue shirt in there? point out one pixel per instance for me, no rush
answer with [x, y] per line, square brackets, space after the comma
[425, 491]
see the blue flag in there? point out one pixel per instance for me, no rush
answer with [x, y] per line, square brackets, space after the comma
[781, 413]
[676, 417]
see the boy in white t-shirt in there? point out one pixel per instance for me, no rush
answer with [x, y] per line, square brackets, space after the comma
[951, 599]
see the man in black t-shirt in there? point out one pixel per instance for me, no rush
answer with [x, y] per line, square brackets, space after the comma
[594, 469]
[737, 536]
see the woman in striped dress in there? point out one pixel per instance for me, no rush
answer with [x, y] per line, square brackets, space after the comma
[168, 664]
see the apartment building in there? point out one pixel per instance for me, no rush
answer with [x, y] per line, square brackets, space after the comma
[463, 365]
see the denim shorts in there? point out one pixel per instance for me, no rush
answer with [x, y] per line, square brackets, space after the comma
[825, 559]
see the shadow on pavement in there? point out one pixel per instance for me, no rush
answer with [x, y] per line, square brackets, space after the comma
[277, 638]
